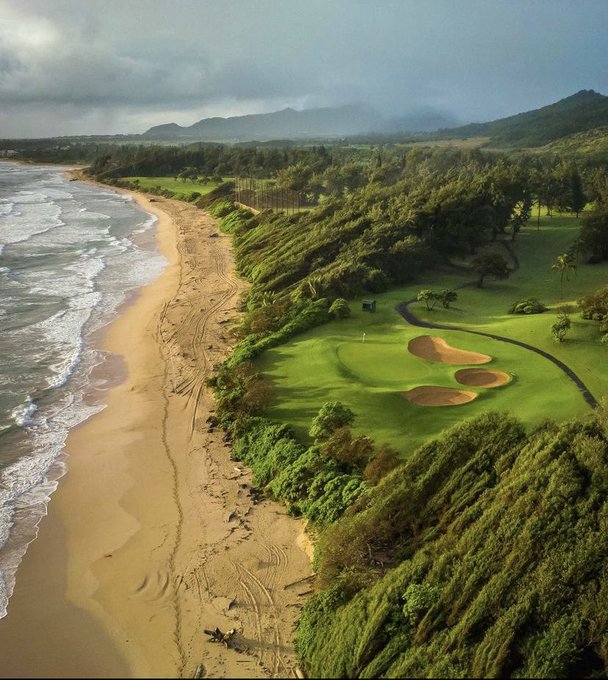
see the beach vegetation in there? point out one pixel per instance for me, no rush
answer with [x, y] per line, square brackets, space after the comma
[332, 416]
[481, 556]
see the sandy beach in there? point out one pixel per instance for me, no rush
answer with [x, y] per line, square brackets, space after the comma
[153, 534]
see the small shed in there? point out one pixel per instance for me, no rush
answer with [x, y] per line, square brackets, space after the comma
[368, 305]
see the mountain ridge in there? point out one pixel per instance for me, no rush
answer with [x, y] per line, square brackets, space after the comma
[289, 123]
[584, 110]
[327, 121]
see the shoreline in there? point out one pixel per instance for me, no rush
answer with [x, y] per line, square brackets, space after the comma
[152, 534]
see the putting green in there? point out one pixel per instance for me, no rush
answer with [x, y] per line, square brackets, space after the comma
[336, 362]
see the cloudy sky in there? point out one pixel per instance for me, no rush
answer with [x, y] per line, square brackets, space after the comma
[119, 66]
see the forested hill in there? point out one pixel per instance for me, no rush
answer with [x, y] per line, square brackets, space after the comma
[582, 111]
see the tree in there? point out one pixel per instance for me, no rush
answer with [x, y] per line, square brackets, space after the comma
[354, 452]
[339, 309]
[561, 327]
[447, 296]
[385, 460]
[563, 264]
[295, 177]
[331, 416]
[428, 297]
[577, 195]
[490, 264]
[521, 217]
[594, 232]
[595, 305]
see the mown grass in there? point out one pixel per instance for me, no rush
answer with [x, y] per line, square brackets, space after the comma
[334, 363]
[179, 186]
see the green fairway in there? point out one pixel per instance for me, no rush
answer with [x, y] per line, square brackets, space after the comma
[183, 187]
[334, 362]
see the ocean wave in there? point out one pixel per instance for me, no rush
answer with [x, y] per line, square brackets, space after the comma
[34, 219]
[23, 413]
[91, 215]
[146, 225]
[29, 197]
[22, 506]
[85, 266]
[57, 194]
[63, 333]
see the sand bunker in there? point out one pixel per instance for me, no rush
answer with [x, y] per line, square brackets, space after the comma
[437, 349]
[431, 395]
[481, 377]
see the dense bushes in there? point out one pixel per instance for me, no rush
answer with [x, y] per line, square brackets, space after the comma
[339, 309]
[529, 305]
[482, 556]
[319, 481]
[595, 305]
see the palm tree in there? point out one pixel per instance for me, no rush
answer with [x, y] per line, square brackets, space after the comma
[564, 265]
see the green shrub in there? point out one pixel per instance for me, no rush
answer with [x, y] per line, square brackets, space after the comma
[267, 448]
[561, 327]
[300, 317]
[339, 309]
[529, 305]
[333, 415]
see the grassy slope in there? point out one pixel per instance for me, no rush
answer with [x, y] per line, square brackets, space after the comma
[496, 550]
[332, 362]
[589, 142]
[172, 184]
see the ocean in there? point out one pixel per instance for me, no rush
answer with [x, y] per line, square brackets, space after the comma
[70, 254]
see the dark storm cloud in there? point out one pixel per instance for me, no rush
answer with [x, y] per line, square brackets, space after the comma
[69, 66]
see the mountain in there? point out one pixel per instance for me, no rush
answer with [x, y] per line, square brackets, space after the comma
[285, 124]
[422, 120]
[582, 111]
[586, 110]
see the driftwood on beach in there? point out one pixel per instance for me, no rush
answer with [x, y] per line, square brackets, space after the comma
[217, 635]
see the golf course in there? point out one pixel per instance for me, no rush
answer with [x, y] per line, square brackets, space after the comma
[364, 361]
